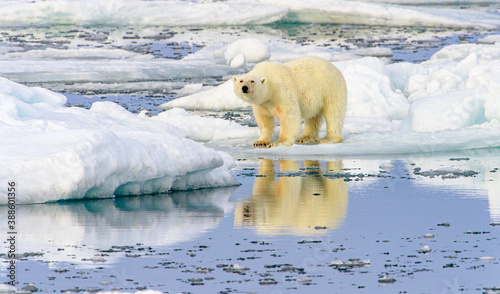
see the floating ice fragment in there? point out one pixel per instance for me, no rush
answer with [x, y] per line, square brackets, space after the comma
[236, 268]
[386, 167]
[288, 268]
[446, 173]
[429, 236]
[98, 259]
[486, 258]
[268, 281]
[195, 280]
[425, 250]
[386, 280]
[203, 270]
[349, 264]
[30, 288]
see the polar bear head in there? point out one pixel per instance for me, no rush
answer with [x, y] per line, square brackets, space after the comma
[251, 88]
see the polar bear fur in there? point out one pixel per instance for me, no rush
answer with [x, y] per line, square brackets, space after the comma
[308, 88]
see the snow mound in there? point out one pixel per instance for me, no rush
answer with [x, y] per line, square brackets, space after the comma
[56, 153]
[370, 90]
[220, 97]
[246, 50]
[457, 88]
[451, 111]
[206, 129]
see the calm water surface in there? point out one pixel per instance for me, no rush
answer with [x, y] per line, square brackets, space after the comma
[308, 225]
[298, 226]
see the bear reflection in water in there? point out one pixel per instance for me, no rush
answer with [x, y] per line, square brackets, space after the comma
[294, 202]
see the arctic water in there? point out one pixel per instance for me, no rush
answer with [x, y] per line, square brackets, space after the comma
[129, 101]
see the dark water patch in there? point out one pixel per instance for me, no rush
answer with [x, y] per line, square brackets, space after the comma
[133, 103]
[169, 50]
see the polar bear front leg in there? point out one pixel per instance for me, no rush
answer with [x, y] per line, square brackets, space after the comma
[311, 130]
[265, 121]
[290, 124]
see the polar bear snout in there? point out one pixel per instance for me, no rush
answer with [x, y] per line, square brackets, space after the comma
[246, 85]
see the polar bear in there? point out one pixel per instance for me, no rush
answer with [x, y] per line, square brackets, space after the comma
[308, 87]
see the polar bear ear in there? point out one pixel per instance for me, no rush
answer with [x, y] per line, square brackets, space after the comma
[263, 80]
[234, 79]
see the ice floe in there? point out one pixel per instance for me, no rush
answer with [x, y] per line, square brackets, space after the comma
[451, 102]
[360, 12]
[135, 12]
[249, 12]
[55, 152]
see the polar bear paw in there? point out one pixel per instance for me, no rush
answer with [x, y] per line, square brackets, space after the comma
[262, 143]
[304, 139]
[329, 140]
[281, 143]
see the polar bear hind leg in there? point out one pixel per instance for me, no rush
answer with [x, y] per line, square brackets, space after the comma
[311, 130]
[334, 118]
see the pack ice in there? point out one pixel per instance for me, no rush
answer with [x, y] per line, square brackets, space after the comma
[450, 102]
[53, 152]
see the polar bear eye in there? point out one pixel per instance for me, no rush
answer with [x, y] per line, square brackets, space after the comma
[252, 82]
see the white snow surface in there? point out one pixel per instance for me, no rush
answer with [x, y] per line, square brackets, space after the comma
[221, 97]
[206, 129]
[55, 152]
[451, 102]
[135, 12]
[242, 12]
[490, 39]
[361, 12]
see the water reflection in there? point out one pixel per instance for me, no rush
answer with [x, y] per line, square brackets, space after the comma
[485, 163]
[294, 200]
[72, 231]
